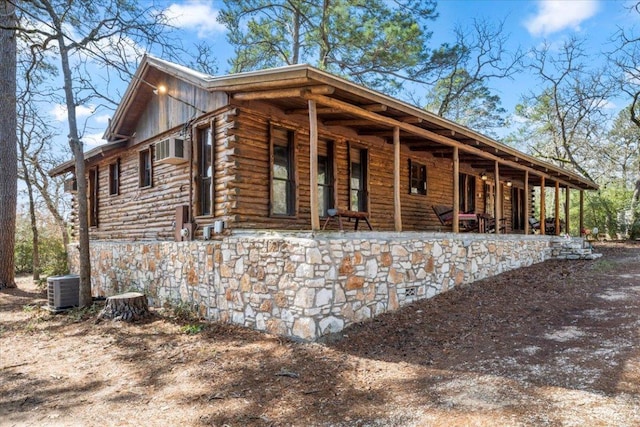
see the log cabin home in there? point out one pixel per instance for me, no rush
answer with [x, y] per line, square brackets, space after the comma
[197, 158]
[187, 149]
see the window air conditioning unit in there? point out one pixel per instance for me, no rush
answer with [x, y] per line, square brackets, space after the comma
[170, 150]
[63, 291]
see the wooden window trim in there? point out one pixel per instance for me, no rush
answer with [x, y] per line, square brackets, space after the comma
[331, 186]
[466, 194]
[421, 181]
[365, 175]
[199, 175]
[293, 174]
[94, 190]
[149, 151]
[114, 185]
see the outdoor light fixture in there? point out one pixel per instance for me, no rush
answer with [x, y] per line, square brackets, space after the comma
[160, 90]
[483, 176]
[509, 183]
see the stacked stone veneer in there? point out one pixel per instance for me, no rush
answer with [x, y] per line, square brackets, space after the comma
[302, 285]
[572, 248]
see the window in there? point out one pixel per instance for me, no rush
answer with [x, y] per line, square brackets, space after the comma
[467, 192]
[93, 197]
[325, 177]
[282, 172]
[358, 179]
[417, 178]
[146, 170]
[114, 178]
[205, 171]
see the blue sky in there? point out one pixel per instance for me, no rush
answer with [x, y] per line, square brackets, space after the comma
[528, 22]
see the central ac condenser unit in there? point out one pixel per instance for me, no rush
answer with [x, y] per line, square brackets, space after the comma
[63, 291]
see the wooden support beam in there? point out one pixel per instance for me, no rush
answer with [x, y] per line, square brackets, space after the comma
[346, 122]
[543, 213]
[567, 199]
[456, 190]
[313, 166]
[413, 120]
[498, 198]
[368, 107]
[581, 225]
[557, 209]
[527, 206]
[397, 208]
[283, 93]
[445, 132]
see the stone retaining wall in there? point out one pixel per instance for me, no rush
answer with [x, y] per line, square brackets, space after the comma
[301, 285]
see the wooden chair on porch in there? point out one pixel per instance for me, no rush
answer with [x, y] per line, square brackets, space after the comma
[467, 221]
[487, 224]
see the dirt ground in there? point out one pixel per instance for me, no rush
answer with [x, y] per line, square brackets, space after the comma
[553, 344]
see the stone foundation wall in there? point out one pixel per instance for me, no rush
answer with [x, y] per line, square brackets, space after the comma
[301, 285]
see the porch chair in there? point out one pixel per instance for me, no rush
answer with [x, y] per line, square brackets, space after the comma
[467, 221]
[534, 224]
[487, 224]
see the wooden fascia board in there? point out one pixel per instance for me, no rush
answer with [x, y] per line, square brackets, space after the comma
[283, 93]
[415, 130]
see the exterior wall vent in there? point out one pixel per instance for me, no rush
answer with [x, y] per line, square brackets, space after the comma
[170, 150]
[63, 291]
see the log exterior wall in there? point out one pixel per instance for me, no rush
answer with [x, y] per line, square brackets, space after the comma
[242, 169]
[241, 180]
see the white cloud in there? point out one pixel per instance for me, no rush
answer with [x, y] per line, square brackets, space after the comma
[195, 15]
[59, 112]
[93, 140]
[557, 15]
[102, 119]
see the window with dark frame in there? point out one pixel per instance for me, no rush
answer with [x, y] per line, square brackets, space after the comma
[205, 171]
[114, 178]
[145, 171]
[93, 197]
[467, 193]
[282, 172]
[325, 180]
[417, 178]
[358, 179]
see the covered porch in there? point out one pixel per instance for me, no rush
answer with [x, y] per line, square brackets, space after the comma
[499, 189]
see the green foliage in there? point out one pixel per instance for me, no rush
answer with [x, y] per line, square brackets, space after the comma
[192, 329]
[369, 41]
[53, 255]
[608, 209]
[182, 310]
[79, 314]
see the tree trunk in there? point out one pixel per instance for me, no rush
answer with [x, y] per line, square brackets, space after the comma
[78, 154]
[127, 307]
[35, 262]
[634, 233]
[8, 146]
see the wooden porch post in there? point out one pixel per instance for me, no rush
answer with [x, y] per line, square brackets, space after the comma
[557, 209]
[397, 208]
[526, 202]
[543, 203]
[567, 201]
[313, 166]
[498, 198]
[581, 231]
[456, 190]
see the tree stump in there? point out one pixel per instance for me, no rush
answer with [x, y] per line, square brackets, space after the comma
[127, 307]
